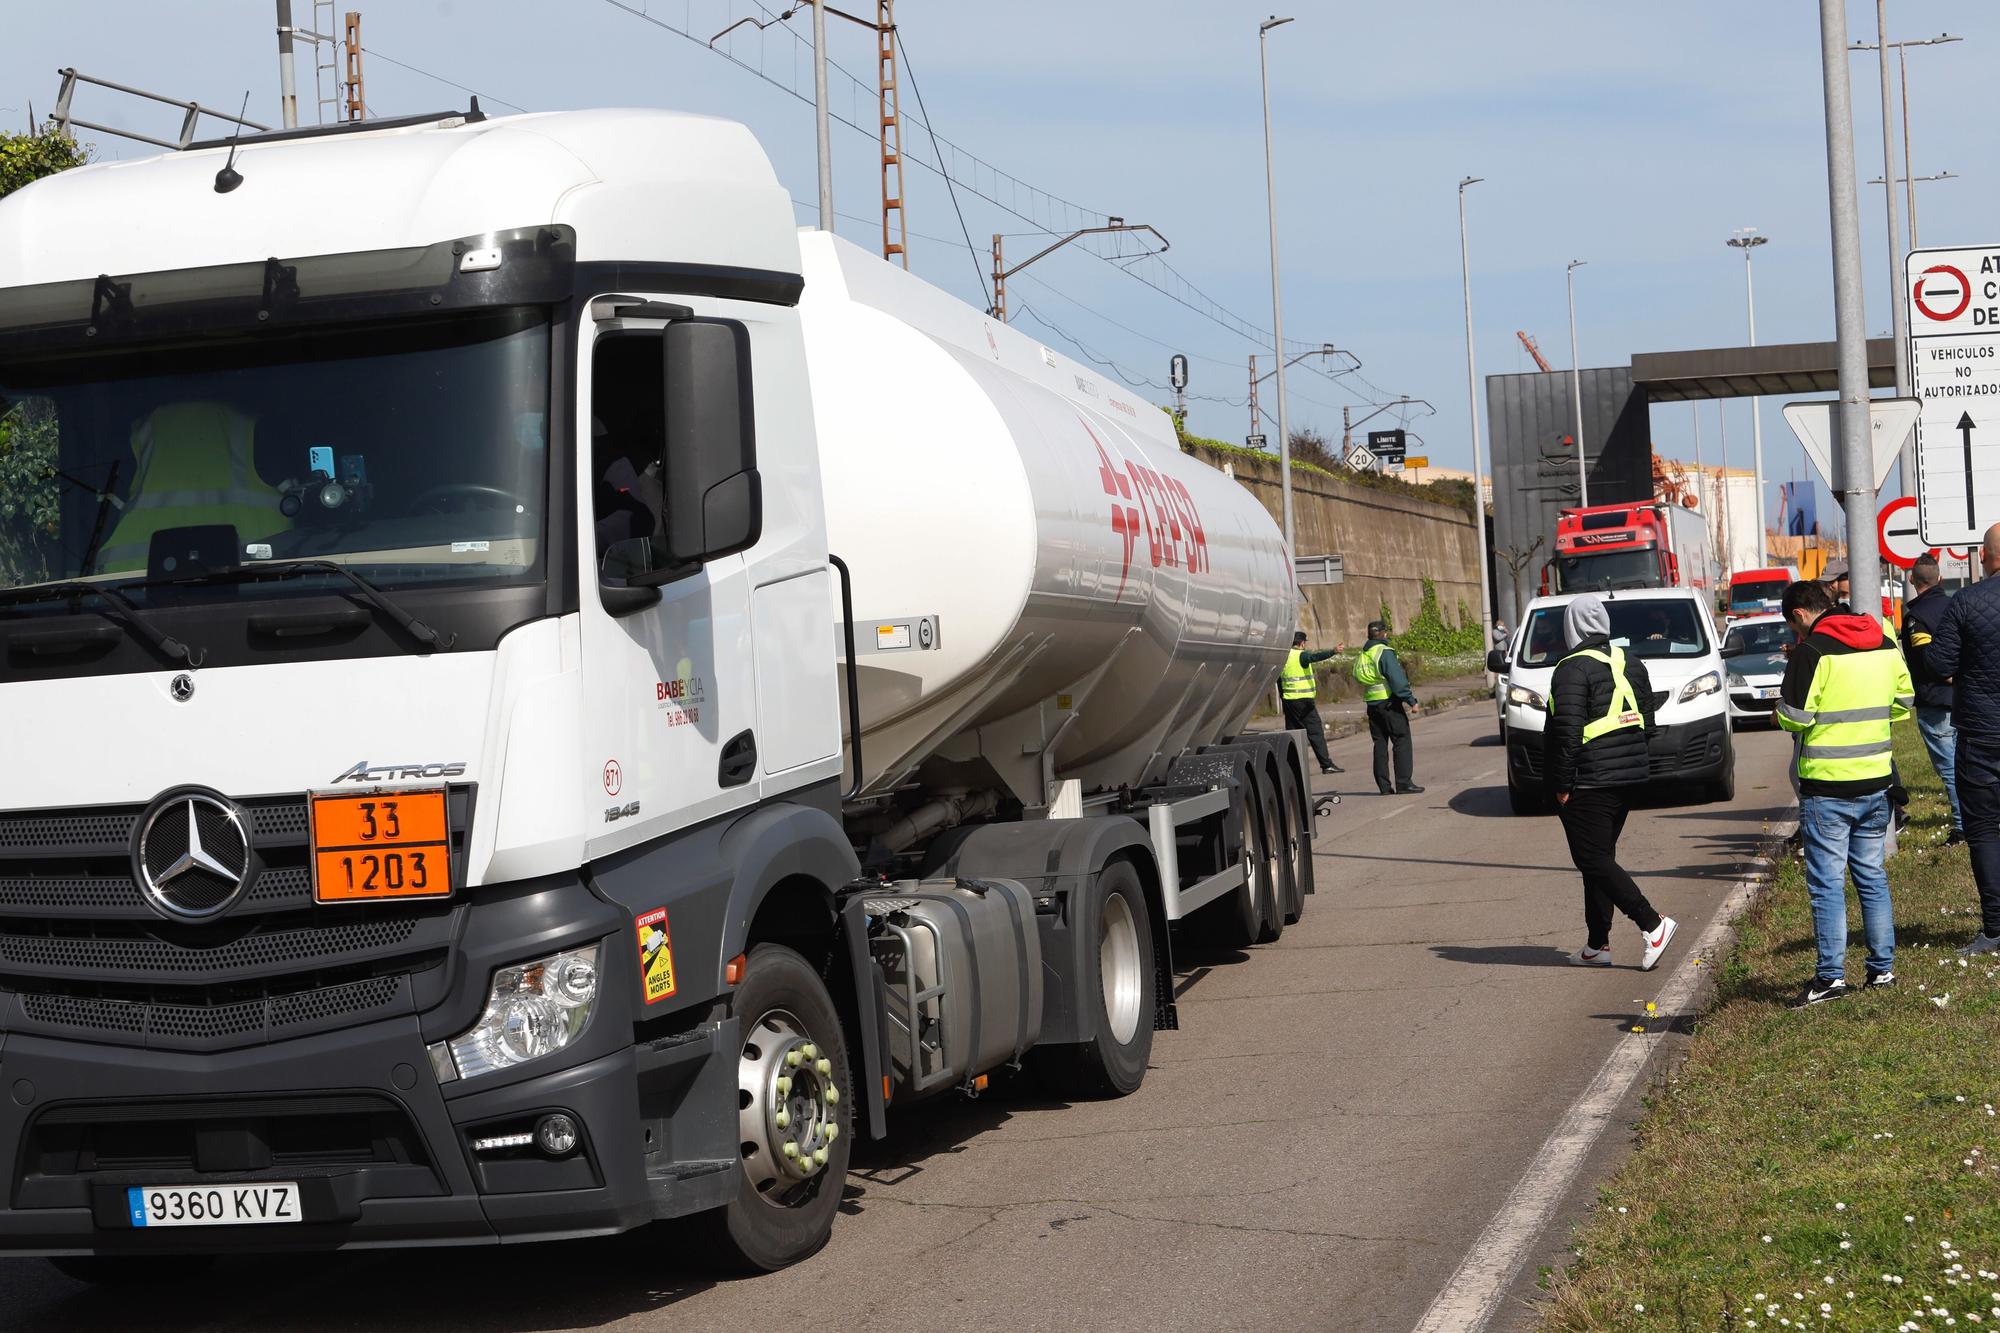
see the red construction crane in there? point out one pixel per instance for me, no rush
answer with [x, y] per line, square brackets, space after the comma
[1528, 342]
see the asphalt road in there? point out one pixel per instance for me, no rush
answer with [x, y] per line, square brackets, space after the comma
[1336, 1121]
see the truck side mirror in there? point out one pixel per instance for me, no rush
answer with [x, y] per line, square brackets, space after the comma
[1496, 662]
[714, 496]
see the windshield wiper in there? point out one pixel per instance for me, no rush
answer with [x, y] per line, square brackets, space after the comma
[117, 607]
[369, 593]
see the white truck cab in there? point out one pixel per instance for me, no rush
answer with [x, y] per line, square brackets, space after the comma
[1672, 631]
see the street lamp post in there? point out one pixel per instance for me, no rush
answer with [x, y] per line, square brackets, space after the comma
[1277, 305]
[1472, 414]
[1747, 240]
[1576, 387]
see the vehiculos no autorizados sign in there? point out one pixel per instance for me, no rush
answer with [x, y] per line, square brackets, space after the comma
[1954, 300]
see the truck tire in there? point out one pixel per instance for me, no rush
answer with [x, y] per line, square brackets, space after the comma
[785, 1205]
[1119, 987]
[1297, 824]
[1273, 861]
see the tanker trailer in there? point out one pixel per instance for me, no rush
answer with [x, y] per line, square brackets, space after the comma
[562, 700]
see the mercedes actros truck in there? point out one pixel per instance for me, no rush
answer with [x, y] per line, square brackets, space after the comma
[540, 698]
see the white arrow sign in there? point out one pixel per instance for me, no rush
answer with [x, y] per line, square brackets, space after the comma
[1890, 422]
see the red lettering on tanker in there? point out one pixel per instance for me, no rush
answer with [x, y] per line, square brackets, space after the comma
[1165, 512]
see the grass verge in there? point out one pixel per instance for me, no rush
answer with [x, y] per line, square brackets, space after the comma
[1837, 1167]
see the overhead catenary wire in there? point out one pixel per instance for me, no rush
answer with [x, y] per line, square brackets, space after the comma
[1054, 215]
[375, 54]
[924, 119]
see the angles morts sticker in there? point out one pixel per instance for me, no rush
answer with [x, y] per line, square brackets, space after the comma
[656, 956]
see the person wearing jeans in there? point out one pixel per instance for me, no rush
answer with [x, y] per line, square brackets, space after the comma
[1921, 616]
[1848, 836]
[1844, 685]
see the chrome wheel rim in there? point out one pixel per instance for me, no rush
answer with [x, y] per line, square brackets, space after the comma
[786, 1115]
[1118, 967]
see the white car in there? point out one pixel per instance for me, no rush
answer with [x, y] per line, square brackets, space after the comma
[1671, 630]
[1753, 655]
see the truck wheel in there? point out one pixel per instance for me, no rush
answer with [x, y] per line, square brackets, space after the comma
[1298, 845]
[1118, 984]
[794, 1116]
[1275, 859]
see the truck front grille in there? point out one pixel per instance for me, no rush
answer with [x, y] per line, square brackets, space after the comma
[237, 1136]
[81, 954]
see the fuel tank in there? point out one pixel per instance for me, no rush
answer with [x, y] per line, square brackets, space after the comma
[1045, 587]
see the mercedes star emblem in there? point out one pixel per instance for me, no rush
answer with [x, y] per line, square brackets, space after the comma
[182, 687]
[192, 855]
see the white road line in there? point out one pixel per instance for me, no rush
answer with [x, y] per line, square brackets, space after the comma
[1474, 1293]
[1399, 810]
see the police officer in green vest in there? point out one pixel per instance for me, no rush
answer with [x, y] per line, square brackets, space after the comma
[1386, 690]
[1300, 692]
[1844, 684]
[1595, 753]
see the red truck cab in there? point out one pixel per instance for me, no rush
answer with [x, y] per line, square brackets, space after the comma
[1649, 544]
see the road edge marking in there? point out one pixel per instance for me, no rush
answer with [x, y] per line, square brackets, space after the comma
[1475, 1290]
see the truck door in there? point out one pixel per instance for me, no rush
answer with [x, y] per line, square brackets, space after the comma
[658, 706]
[708, 687]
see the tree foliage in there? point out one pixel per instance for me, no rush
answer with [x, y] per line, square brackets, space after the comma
[26, 158]
[1430, 632]
[29, 487]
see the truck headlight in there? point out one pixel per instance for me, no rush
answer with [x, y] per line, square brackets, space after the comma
[533, 1009]
[1525, 698]
[1708, 682]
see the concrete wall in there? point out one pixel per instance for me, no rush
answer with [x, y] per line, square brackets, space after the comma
[1390, 543]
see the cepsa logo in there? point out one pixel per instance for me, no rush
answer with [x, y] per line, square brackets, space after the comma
[1143, 501]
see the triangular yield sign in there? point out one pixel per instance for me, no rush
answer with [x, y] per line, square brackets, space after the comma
[1891, 420]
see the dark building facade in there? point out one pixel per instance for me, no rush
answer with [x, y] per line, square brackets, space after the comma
[1531, 419]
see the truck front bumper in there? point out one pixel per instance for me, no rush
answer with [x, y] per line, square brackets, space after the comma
[382, 1151]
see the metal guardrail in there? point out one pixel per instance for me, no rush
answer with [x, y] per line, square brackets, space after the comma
[67, 122]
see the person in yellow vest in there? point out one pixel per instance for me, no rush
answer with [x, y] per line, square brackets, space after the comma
[1595, 752]
[1844, 685]
[194, 463]
[1386, 690]
[1299, 690]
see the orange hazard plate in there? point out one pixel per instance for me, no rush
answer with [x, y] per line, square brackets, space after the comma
[380, 844]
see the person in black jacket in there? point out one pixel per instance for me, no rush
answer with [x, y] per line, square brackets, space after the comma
[1600, 717]
[1921, 615]
[1965, 649]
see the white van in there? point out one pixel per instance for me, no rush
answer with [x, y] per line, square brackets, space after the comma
[1672, 631]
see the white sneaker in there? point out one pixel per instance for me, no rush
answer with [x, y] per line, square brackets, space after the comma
[1589, 957]
[1657, 942]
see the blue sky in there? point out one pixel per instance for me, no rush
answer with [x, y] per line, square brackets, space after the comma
[1636, 137]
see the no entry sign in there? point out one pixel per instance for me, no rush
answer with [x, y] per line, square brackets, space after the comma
[1896, 527]
[1954, 300]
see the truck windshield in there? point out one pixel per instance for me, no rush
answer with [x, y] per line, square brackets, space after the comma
[1752, 595]
[1602, 571]
[416, 452]
[1655, 627]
